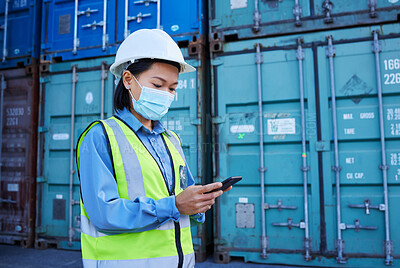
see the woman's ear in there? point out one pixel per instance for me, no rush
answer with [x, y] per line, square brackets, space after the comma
[127, 78]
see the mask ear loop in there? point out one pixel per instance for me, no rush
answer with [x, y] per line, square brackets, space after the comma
[137, 81]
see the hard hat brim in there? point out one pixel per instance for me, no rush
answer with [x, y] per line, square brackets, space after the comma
[117, 68]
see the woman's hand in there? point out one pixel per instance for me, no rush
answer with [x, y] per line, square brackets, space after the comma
[194, 199]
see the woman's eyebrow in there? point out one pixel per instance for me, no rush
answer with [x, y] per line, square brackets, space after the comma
[162, 79]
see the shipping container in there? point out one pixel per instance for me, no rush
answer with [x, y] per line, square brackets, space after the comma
[242, 19]
[308, 121]
[18, 140]
[74, 30]
[183, 20]
[73, 94]
[77, 86]
[19, 32]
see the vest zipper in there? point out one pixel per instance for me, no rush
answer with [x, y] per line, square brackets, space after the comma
[171, 192]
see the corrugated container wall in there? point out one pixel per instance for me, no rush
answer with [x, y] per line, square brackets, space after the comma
[312, 123]
[19, 32]
[74, 30]
[242, 19]
[18, 141]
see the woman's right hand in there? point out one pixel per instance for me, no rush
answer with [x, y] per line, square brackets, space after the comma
[194, 199]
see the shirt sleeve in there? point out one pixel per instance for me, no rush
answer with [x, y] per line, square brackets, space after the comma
[198, 218]
[107, 211]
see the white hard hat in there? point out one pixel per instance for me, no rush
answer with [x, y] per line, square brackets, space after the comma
[148, 43]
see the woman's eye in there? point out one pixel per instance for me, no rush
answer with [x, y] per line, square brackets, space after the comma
[172, 89]
[157, 86]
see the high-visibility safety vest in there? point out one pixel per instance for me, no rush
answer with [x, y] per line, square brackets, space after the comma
[138, 174]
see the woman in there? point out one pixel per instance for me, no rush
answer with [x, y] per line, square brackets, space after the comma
[137, 192]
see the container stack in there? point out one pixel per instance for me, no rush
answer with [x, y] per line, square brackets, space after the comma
[19, 77]
[306, 107]
[300, 98]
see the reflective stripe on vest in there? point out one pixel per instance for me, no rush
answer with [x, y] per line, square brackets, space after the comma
[162, 262]
[137, 174]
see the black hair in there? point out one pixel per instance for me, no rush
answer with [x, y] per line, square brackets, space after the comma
[122, 98]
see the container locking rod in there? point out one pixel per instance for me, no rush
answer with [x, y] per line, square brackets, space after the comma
[330, 53]
[376, 49]
[262, 169]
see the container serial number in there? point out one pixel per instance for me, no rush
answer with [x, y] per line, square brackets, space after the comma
[392, 64]
[392, 79]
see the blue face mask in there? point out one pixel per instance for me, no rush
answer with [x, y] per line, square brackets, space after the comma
[152, 104]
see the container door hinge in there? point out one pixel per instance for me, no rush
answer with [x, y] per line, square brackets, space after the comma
[3, 83]
[43, 129]
[41, 229]
[216, 62]
[388, 248]
[290, 224]
[41, 179]
[367, 206]
[218, 120]
[215, 22]
[264, 240]
[44, 80]
[196, 122]
[279, 206]
[322, 146]
[357, 226]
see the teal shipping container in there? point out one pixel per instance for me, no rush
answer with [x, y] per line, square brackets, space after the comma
[74, 94]
[241, 19]
[312, 123]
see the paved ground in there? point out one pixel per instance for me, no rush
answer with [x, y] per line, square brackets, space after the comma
[16, 257]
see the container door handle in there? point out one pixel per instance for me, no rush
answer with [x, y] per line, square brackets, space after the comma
[139, 17]
[94, 25]
[78, 13]
[147, 3]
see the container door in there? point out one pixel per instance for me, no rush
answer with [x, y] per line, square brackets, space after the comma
[16, 155]
[240, 215]
[335, 9]
[234, 13]
[249, 18]
[180, 19]
[78, 29]
[358, 213]
[60, 103]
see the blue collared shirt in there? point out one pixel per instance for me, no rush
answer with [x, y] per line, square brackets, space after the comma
[107, 211]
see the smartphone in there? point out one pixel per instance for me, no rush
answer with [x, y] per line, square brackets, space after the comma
[227, 183]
